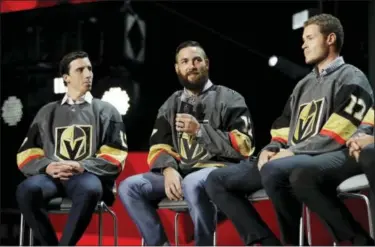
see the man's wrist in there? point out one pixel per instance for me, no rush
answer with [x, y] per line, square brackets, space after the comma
[165, 169]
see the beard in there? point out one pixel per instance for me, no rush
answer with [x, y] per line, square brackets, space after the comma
[197, 84]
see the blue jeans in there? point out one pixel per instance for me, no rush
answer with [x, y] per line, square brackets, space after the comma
[139, 193]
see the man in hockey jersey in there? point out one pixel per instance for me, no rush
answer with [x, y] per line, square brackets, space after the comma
[75, 148]
[199, 128]
[316, 187]
[322, 113]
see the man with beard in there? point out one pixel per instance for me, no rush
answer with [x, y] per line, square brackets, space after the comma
[198, 129]
[322, 113]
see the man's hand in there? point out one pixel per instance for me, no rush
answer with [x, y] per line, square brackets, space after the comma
[77, 168]
[264, 157]
[357, 143]
[172, 182]
[364, 140]
[187, 123]
[59, 171]
[282, 154]
[353, 138]
[353, 145]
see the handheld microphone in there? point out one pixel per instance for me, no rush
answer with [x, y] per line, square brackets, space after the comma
[186, 105]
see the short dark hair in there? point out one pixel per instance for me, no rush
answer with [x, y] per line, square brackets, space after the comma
[64, 66]
[189, 43]
[329, 24]
[68, 58]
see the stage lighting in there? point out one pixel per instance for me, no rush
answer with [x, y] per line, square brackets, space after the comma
[59, 86]
[272, 61]
[12, 111]
[288, 67]
[119, 98]
[299, 19]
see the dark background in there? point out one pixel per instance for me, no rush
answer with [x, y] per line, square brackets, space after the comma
[239, 38]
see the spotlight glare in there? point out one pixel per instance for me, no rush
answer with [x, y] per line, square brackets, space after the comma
[119, 98]
[12, 111]
[58, 86]
[272, 61]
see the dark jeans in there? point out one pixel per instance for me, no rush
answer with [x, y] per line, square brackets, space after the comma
[279, 180]
[367, 164]
[85, 190]
[316, 188]
[228, 188]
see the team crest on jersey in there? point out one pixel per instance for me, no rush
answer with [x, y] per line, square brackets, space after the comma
[309, 116]
[190, 150]
[73, 142]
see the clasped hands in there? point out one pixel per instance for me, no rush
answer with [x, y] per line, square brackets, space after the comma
[357, 143]
[64, 169]
[267, 155]
[187, 123]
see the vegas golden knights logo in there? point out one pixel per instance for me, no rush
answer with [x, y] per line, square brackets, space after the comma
[73, 142]
[309, 117]
[190, 150]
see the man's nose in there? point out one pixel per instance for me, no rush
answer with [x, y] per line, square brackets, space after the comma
[87, 73]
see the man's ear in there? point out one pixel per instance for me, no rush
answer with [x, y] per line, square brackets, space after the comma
[331, 39]
[66, 78]
[176, 67]
[207, 63]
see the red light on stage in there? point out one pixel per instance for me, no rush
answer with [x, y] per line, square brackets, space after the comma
[19, 5]
[82, 1]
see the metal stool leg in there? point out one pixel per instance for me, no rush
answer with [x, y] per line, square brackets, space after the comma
[369, 216]
[368, 208]
[31, 237]
[215, 224]
[22, 230]
[176, 228]
[301, 227]
[308, 225]
[100, 217]
[114, 218]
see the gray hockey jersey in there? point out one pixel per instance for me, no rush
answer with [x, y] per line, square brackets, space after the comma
[323, 111]
[226, 132]
[91, 133]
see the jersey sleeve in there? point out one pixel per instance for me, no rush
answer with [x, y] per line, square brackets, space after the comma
[280, 129]
[235, 139]
[31, 158]
[351, 103]
[162, 153]
[367, 124]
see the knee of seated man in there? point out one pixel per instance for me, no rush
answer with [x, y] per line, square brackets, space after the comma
[130, 186]
[213, 181]
[271, 173]
[29, 189]
[91, 188]
[303, 179]
[193, 186]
